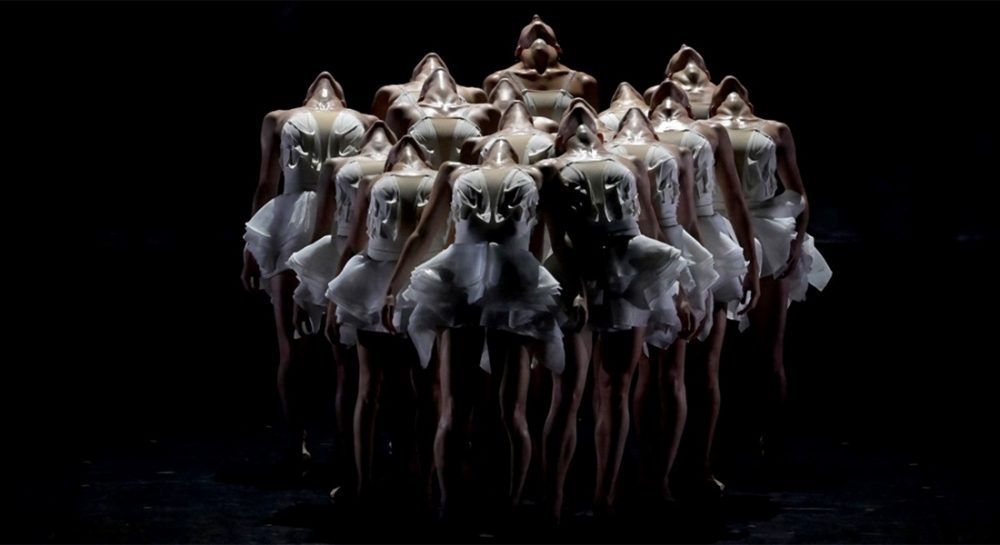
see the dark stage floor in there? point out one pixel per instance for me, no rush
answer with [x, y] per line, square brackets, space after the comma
[890, 407]
[173, 490]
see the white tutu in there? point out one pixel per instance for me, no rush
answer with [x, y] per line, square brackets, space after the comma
[316, 266]
[489, 285]
[359, 293]
[719, 238]
[701, 264]
[280, 228]
[634, 286]
[774, 226]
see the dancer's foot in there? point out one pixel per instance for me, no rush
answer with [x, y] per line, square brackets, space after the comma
[712, 487]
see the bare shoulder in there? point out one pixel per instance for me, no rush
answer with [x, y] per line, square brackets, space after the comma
[451, 167]
[470, 148]
[711, 130]
[631, 163]
[402, 106]
[534, 172]
[679, 153]
[586, 79]
[273, 120]
[647, 95]
[366, 183]
[674, 149]
[709, 126]
[366, 119]
[337, 163]
[487, 116]
[485, 108]
[547, 167]
[389, 91]
[474, 95]
[492, 79]
[449, 171]
[776, 130]
[402, 111]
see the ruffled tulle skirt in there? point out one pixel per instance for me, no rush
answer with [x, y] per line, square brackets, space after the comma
[719, 238]
[280, 228]
[701, 265]
[634, 285]
[489, 285]
[359, 293]
[774, 227]
[316, 266]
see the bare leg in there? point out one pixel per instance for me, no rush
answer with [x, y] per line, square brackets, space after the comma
[370, 375]
[513, 407]
[459, 356]
[646, 422]
[282, 286]
[673, 408]
[428, 400]
[400, 361]
[616, 357]
[559, 436]
[344, 404]
[713, 401]
[769, 318]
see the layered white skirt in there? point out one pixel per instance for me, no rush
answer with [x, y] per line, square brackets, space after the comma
[280, 228]
[719, 238]
[633, 285]
[774, 226]
[316, 266]
[359, 293]
[489, 285]
[701, 265]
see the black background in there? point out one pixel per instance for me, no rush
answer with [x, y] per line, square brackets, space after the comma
[136, 130]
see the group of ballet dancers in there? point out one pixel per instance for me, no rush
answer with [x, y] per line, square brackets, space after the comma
[463, 239]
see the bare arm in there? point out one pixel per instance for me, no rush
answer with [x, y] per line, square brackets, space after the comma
[537, 243]
[267, 188]
[270, 161]
[383, 98]
[326, 197]
[555, 219]
[553, 215]
[589, 91]
[644, 185]
[729, 182]
[788, 171]
[433, 220]
[686, 214]
[357, 240]
[545, 124]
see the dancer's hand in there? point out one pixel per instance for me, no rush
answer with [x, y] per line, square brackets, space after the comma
[686, 314]
[794, 254]
[707, 304]
[300, 319]
[251, 273]
[388, 310]
[751, 291]
[331, 329]
[579, 313]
